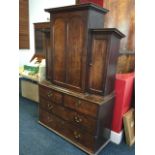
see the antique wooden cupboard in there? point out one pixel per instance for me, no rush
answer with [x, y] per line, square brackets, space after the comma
[76, 101]
[42, 38]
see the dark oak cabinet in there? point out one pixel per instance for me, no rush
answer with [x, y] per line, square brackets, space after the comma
[76, 100]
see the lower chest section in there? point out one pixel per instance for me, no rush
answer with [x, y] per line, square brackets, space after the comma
[80, 121]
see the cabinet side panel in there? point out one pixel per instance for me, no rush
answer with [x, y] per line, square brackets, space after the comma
[105, 122]
[58, 50]
[111, 66]
[96, 19]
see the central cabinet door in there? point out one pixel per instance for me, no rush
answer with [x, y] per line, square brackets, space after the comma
[69, 52]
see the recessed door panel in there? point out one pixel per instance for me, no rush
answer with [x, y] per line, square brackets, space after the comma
[59, 50]
[97, 64]
[75, 42]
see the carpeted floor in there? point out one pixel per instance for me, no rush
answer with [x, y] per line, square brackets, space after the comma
[35, 139]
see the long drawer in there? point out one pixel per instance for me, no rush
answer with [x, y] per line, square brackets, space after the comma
[71, 116]
[70, 131]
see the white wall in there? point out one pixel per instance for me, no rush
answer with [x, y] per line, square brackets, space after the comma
[37, 14]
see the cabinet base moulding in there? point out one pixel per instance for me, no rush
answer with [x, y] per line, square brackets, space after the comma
[79, 146]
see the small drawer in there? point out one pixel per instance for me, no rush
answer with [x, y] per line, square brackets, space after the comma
[50, 94]
[46, 104]
[82, 106]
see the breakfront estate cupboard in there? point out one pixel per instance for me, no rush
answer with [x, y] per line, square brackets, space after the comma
[76, 100]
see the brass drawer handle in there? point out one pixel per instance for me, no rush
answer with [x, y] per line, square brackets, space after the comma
[49, 94]
[50, 106]
[78, 103]
[77, 119]
[77, 135]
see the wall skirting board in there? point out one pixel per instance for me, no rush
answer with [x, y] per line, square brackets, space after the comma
[116, 137]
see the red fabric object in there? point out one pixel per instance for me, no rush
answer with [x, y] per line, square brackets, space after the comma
[97, 2]
[123, 90]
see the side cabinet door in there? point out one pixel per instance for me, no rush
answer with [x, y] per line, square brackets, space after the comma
[58, 40]
[97, 64]
[75, 52]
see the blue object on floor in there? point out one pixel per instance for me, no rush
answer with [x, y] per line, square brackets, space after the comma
[35, 139]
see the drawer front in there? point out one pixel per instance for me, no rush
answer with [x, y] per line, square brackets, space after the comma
[71, 116]
[80, 121]
[81, 106]
[51, 120]
[75, 134]
[50, 94]
[80, 136]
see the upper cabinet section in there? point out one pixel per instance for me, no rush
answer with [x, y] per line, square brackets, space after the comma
[69, 41]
